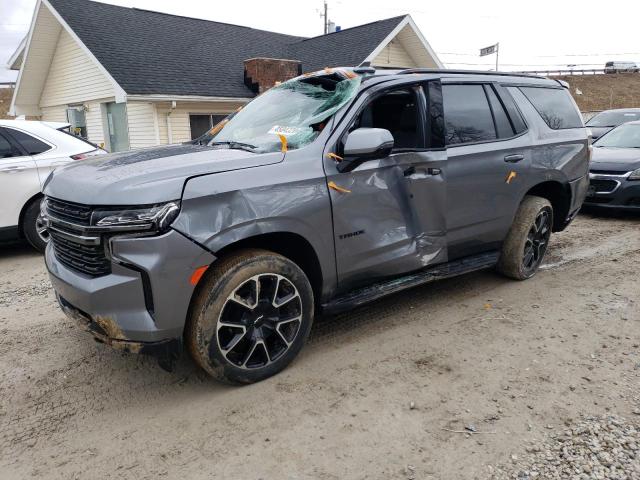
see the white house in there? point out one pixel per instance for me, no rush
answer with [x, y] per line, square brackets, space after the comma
[133, 78]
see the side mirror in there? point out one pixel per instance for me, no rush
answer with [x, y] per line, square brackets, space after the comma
[365, 144]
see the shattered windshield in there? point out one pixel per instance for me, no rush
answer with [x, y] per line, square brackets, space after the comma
[286, 117]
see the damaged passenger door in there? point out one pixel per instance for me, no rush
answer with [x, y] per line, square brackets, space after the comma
[389, 206]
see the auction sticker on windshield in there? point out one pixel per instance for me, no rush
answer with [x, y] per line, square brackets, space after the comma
[280, 130]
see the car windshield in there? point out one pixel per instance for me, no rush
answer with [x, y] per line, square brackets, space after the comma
[625, 136]
[291, 114]
[612, 119]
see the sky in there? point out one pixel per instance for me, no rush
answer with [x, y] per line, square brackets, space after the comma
[541, 35]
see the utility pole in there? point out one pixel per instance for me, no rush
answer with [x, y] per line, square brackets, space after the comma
[326, 17]
[497, 53]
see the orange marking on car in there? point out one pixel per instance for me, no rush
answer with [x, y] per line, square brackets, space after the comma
[197, 275]
[335, 157]
[511, 176]
[335, 187]
[283, 141]
[218, 126]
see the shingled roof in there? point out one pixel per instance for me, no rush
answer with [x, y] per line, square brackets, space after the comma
[156, 53]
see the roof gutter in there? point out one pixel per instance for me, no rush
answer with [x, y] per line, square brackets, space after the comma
[186, 98]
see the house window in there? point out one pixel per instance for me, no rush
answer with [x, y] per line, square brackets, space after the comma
[201, 123]
[76, 117]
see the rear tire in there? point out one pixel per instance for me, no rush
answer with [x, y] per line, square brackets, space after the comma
[251, 316]
[528, 238]
[32, 227]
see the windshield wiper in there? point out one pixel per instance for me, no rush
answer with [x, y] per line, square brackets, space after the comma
[238, 145]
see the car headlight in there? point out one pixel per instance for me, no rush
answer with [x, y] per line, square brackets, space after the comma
[156, 218]
[635, 175]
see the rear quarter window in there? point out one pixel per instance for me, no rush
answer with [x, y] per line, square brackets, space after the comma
[554, 106]
[30, 144]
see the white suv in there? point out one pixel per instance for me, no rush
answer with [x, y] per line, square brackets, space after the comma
[29, 151]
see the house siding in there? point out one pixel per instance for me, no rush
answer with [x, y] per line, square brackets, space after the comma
[93, 116]
[54, 114]
[179, 118]
[73, 76]
[142, 121]
[95, 128]
[394, 55]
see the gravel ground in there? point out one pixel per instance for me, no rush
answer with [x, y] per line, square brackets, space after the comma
[596, 447]
[477, 377]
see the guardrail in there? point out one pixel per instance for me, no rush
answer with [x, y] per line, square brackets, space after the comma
[566, 71]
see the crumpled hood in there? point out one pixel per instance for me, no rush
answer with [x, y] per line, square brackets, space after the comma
[615, 159]
[146, 176]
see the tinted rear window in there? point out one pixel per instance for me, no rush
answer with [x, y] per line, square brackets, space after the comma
[31, 145]
[514, 113]
[505, 130]
[467, 114]
[6, 150]
[555, 106]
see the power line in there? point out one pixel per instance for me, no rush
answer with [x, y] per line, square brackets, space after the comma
[526, 64]
[548, 56]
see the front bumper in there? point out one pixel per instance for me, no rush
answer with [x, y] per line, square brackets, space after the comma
[614, 192]
[141, 306]
[163, 349]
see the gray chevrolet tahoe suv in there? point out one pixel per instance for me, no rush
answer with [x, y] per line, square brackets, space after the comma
[327, 191]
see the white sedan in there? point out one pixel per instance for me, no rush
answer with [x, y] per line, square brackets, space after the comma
[29, 151]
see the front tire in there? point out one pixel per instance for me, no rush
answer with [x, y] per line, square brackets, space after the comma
[528, 238]
[251, 316]
[33, 227]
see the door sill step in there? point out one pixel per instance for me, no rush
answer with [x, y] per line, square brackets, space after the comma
[369, 293]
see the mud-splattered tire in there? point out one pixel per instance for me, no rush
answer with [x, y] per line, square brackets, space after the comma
[528, 238]
[33, 228]
[250, 317]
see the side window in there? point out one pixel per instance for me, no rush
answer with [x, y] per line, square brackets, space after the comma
[467, 114]
[514, 113]
[6, 149]
[396, 111]
[503, 125]
[31, 145]
[555, 106]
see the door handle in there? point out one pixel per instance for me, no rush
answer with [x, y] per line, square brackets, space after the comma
[409, 171]
[424, 171]
[515, 158]
[11, 169]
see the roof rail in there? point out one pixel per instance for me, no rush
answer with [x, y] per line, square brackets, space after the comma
[473, 72]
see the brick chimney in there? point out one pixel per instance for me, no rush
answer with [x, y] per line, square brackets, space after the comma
[260, 74]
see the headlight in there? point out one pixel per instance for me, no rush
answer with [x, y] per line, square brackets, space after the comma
[153, 218]
[635, 175]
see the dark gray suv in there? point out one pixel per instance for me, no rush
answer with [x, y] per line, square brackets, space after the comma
[325, 192]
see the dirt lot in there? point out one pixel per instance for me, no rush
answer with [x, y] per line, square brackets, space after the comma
[378, 393]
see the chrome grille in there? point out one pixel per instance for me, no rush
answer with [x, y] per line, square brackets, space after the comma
[603, 186]
[68, 211]
[88, 259]
[71, 246]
